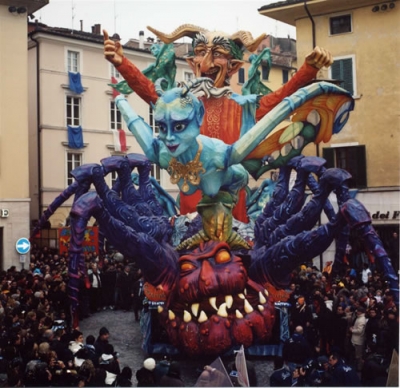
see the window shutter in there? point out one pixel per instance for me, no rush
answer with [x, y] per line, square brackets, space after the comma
[342, 69]
[361, 166]
[241, 76]
[329, 155]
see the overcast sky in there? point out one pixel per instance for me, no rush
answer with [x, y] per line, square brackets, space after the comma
[128, 17]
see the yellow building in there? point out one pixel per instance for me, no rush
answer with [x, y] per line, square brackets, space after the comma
[363, 37]
[14, 151]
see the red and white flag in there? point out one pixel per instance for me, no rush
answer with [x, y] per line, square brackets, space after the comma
[119, 140]
[115, 92]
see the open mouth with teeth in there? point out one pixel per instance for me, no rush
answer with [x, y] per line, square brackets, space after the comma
[172, 148]
[213, 325]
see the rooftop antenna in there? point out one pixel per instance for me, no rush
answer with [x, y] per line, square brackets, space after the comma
[72, 16]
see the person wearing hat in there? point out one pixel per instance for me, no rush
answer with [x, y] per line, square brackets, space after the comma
[145, 375]
[101, 341]
[358, 336]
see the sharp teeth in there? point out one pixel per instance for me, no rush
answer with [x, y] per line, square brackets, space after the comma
[228, 301]
[160, 309]
[247, 307]
[262, 298]
[171, 315]
[213, 302]
[266, 292]
[260, 308]
[202, 317]
[195, 309]
[241, 296]
[186, 316]
[238, 314]
[222, 311]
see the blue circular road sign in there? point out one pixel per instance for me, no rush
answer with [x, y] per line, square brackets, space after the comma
[23, 246]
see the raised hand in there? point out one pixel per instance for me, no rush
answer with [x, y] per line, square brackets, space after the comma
[112, 50]
[319, 58]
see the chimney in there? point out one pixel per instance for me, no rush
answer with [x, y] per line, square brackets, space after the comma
[96, 29]
[141, 40]
[81, 25]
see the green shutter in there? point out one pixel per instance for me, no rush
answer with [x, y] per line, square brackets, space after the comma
[342, 69]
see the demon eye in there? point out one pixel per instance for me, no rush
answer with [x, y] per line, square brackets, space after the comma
[222, 256]
[186, 266]
[179, 127]
[162, 127]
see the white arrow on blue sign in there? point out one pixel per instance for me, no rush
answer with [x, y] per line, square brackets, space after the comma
[23, 246]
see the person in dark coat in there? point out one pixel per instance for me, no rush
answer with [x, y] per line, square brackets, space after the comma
[109, 280]
[342, 375]
[173, 377]
[124, 379]
[125, 281]
[296, 350]
[145, 375]
[101, 341]
[138, 296]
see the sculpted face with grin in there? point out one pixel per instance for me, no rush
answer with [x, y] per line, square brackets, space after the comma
[215, 305]
[214, 58]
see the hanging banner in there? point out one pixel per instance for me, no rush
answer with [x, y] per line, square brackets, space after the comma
[90, 241]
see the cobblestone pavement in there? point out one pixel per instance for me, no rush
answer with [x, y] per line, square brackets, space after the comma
[126, 338]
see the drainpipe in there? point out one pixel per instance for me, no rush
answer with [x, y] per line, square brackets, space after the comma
[312, 23]
[321, 257]
[39, 145]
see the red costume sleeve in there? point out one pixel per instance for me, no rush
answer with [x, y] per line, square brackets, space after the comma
[302, 77]
[137, 81]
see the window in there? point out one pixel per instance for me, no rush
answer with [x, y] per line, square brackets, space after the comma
[114, 72]
[285, 76]
[73, 111]
[115, 116]
[114, 177]
[152, 123]
[265, 72]
[351, 159]
[156, 173]
[73, 58]
[74, 160]
[340, 24]
[343, 69]
[188, 76]
[241, 76]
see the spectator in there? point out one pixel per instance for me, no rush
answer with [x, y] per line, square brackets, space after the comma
[145, 375]
[125, 281]
[77, 342]
[173, 377]
[96, 301]
[358, 336]
[296, 350]
[124, 379]
[101, 341]
[342, 375]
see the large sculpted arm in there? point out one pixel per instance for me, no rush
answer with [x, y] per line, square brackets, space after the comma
[138, 82]
[256, 135]
[314, 61]
[138, 127]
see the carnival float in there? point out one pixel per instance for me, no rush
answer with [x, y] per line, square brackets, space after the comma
[213, 285]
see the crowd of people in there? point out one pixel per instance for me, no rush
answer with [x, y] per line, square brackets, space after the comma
[342, 331]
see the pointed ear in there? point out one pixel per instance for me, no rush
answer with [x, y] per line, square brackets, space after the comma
[190, 61]
[200, 113]
[235, 65]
